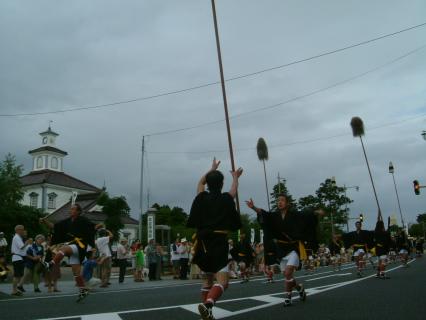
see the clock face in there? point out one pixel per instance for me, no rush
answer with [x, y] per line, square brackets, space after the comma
[44, 140]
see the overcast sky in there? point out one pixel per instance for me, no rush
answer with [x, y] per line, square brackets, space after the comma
[62, 55]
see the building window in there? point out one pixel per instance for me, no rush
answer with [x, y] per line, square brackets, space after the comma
[54, 163]
[33, 200]
[51, 202]
[39, 162]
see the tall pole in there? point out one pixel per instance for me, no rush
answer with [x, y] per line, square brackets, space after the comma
[379, 217]
[279, 183]
[399, 204]
[346, 210]
[266, 185]
[141, 190]
[225, 103]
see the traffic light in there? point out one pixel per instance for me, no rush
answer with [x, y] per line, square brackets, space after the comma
[416, 187]
[361, 217]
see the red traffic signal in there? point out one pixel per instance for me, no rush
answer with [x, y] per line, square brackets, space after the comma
[416, 187]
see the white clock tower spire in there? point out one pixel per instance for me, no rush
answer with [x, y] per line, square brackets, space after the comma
[48, 157]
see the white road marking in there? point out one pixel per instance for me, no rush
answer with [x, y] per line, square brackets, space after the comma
[218, 312]
[222, 313]
[104, 316]
[331, 275]
[267, 299]
[143, 288]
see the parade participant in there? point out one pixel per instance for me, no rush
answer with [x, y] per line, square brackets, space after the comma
[403, 247]
[335, 247]
[74, 235]
[243, 253]
[382, 242]
[19, 251]
[213, 214]
[269, 252]
[359, 240]
[290, 229]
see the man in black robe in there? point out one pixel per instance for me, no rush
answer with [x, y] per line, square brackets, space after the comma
[290, 230]
[360, 241]
[382, 242]
[213, 214]
[243, 253]
[75, 235]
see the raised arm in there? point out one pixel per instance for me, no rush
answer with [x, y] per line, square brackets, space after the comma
[47, 223]
[234, 187]
[251, 205]
[202, 182]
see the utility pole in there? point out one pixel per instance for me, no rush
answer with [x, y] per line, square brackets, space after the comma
[279, 183]
[225, 103]
[141, 190]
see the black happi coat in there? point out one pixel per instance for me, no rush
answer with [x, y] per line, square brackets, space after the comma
[269, 245]
[212, 214]
[81, 227]
[402, 242]
[296, 226]
[382, 242]
[359, 240]
[335, 247]
[243, 252]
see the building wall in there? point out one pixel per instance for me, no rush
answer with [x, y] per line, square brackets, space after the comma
[63, 195]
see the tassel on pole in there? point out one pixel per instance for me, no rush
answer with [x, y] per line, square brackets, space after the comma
[262, 154]
[358, 131]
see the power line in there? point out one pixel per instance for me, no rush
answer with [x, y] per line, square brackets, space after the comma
[279, 104]
[288, 144]
[106, 105]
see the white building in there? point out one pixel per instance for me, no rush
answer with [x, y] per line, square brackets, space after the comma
[49, 188]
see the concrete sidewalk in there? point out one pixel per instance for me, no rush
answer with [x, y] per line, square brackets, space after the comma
[66, 285]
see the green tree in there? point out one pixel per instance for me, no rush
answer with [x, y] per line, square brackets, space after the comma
[417, 230]
[12, 212]
[281, 188]
[421, 218]
[331, 198]
[175, 218]
[115, 209]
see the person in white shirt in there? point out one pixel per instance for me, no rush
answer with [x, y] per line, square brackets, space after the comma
[175, 258]
[19, 251]
[102, 244]
[122, 256]
[183, 251]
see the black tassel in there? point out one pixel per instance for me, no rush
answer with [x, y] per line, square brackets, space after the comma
[357, 127]
[262, 149]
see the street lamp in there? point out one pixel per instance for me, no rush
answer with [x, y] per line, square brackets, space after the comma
[391, 171]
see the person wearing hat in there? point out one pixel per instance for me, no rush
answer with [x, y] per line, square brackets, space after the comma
[183, 251]
[214, 215]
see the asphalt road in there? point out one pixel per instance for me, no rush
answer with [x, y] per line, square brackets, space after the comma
[331, 295]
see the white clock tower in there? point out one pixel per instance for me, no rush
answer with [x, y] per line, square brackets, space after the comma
[48, 157]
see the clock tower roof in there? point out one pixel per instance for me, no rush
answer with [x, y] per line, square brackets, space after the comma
[48, 148]
[49, 131]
